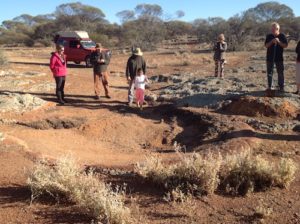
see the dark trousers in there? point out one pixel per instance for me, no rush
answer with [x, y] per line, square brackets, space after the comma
[280, 71]
[60, 85]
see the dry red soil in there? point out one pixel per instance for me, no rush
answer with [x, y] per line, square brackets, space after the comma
[108, 134]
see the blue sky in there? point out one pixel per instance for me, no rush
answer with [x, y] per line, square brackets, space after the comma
[192, 8]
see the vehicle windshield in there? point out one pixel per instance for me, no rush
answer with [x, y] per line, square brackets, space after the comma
[88, 44]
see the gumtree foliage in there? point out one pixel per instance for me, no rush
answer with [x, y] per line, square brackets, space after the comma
[177, 28]
[126, 15]
[148, 10]
[270, 11]
[143, 33]
[207, 30]
[241, 29]
[26, 19]
[180, 14]
[86, 12]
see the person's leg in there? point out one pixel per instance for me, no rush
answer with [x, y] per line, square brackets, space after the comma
[216, 68]
[280, 72]
[59, 81]
[137, 97]
[96, 85]
[63, 88]
[142, 97]
[222, 64]
[131, 92]
[105, 83]
[270, 67]
[298, 77]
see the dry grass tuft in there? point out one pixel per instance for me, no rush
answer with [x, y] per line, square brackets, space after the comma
[3, 58]
[235, 174]
[245, 173]
[93, 197]
[193, 174]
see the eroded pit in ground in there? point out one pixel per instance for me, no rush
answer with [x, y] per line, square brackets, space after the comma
[55, 123]
[262, 107]
[192, 129]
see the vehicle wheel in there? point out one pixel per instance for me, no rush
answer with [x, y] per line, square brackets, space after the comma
[77, 62]
[88, 61]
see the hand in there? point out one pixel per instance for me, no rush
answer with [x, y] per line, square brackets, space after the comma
[128, 79]
[102, 61]
[276, 41]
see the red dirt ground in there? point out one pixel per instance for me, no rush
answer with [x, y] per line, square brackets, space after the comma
[116, 136]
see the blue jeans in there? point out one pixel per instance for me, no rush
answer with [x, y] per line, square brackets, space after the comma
[280, 71]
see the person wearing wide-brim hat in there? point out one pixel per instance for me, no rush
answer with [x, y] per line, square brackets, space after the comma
[100, 63]
[134, 63]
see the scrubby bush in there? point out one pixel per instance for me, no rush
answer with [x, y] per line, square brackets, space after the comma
[234, 174]
[245, 173]
[195, 174]
[93, 197]
[3, 59]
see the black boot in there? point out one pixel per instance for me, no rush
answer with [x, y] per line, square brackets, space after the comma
[63, 97]
[59, 98]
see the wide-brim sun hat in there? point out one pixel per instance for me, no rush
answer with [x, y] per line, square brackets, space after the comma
[138, 52]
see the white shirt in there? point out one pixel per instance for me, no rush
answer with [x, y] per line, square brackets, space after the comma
[140, 82]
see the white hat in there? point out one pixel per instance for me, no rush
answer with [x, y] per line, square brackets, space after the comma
[138, 52]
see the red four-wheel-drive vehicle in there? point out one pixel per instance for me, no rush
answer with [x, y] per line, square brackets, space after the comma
[78, 46]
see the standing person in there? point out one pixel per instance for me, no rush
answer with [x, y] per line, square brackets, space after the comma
[275, 43]
[135, 62]
[140, 84]
[100, 62]
[298, 68]
[58, 66]
[219, 56]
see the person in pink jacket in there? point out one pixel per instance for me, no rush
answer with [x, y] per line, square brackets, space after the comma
[58, 66]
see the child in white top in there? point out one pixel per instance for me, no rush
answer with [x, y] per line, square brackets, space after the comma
[140, 84]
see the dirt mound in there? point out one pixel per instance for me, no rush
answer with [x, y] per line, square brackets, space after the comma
[55, 123]
[19, 102]
[262, 106]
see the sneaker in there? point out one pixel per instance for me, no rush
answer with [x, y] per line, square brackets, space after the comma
[97, 97]
[130, 104]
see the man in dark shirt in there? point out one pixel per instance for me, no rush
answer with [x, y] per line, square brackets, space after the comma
[275, 43]
[100, 63]
[135, 62]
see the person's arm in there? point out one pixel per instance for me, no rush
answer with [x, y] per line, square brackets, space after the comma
[298, 48]
[215, 47]
[283, 43]
[107, 58]
[127, 70]
[144, 66]
[223, 47]
[52, 63]
[93, 59]
[270, 41]
[147, 80]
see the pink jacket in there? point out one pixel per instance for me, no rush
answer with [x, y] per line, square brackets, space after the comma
[57, 67]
